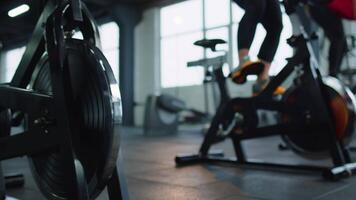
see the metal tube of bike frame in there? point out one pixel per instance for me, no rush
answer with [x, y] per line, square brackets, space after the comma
[77, 10]
[299, 57]
[25, 100]
[27, 143]
[221, 81]
[36, 47]
[34, 50]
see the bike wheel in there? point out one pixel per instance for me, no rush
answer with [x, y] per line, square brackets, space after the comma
[314, 142]
[98, 113]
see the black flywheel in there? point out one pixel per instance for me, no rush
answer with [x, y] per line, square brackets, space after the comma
[315, 142]
[97, 112]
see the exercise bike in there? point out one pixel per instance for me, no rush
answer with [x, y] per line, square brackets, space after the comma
[316, 116]
[71, 105]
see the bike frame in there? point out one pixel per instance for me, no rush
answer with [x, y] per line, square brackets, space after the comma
[19, 98]
[49, 36]
[312, 81]
[266, 101]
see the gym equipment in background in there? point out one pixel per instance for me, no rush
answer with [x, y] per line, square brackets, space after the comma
[317, 116]
[211, 64]
[71, 105]
[163, 113]
[208, 64]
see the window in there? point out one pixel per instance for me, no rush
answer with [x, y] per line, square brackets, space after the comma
[217, 13]
[12, 59]
[109, 35]
[181, 18]
[176, 52]
[181, 26]
[109, 38]
[183, 23]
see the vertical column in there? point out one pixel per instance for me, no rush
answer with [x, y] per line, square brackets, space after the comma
[147, 60]
[127, 17]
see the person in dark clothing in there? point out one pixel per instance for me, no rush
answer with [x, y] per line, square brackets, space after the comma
[332, 25]
[328, 14]
[268, 13]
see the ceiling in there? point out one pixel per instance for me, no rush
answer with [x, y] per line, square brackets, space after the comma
[17, 29]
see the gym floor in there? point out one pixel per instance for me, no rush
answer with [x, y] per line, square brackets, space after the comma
[152, 175]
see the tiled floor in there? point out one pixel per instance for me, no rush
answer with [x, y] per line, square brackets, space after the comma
[151, 173]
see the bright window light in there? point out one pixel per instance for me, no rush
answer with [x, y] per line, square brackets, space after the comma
[110, 39]
[11, 61]
[18, 10]
[181, 26]
[183, 23]
[178, 20]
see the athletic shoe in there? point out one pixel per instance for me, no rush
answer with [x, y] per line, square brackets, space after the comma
[246, 67]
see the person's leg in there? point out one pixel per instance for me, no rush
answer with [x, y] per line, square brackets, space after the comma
[272, 22]
[334, 31]
[254, 10]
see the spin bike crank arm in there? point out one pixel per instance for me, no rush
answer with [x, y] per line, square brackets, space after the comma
[25, 100]
[27, 143]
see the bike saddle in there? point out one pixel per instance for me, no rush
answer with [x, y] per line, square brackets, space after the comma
[206, 43]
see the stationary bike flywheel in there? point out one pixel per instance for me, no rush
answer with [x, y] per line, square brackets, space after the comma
[314, 142]
[97, 112]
